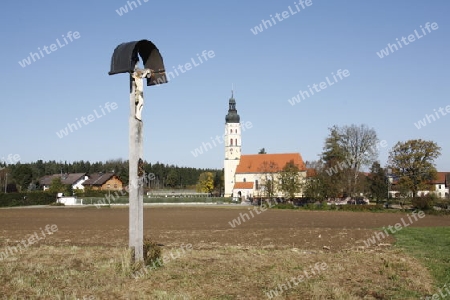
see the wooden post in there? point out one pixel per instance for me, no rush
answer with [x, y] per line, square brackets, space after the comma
[136, 188]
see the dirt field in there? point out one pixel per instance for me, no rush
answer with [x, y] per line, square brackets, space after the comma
[205, 227]
[86, 258]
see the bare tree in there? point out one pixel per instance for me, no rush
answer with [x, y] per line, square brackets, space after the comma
[355, 147]
[360, 145]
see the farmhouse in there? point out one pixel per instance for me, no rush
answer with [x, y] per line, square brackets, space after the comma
[439, 186]
[248, 176]
[104, 181]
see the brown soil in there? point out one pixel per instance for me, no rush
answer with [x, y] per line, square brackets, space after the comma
[206, 227]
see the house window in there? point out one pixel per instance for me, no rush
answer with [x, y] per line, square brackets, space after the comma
[256, 185]
[231, 130]
[439, 186]
[245, 180]
[115, 186]
[231, 142]
[235, 140]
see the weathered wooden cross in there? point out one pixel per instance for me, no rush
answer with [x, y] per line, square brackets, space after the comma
[125, 59]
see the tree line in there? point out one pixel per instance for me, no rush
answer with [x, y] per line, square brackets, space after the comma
[349, 150]
[25, 176]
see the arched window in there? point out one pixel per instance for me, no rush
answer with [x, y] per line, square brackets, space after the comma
[235, 140]
[231, 130]
[231, 142]
[245, 179]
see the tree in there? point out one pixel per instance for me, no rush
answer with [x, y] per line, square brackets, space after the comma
[318, 183]
[23, 176]
[219, 182]
[172, 178]
[57, 186]
[413, 163]
[290, 180]
[262, 151]
[377, 181]
[332, 157]
[205, 182]
[348, 149]
[269, 171]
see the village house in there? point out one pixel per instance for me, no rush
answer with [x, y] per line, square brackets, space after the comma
[439, 186]
[104, 181]
[75, 180]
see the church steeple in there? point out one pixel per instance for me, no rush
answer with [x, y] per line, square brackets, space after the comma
[232, 116]
[232, 145]
[232, 131]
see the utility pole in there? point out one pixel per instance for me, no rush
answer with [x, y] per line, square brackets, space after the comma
[125, 60]
[6, 181]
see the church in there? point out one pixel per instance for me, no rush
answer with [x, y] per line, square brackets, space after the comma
[246, 176]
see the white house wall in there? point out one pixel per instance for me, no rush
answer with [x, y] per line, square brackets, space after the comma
[79, 184]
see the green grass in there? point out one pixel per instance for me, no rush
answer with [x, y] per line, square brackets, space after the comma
[431, 245]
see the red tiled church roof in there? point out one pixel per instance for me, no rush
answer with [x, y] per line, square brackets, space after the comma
[261, 163]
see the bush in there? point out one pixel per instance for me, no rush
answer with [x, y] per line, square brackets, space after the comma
[359, 207]
[324, 205]
[316, 206]
[425, 202]
[29, 198]
[152, 253]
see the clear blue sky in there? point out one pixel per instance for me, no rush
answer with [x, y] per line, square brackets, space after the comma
[389, 94]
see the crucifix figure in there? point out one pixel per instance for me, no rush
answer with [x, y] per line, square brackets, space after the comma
[138, 75]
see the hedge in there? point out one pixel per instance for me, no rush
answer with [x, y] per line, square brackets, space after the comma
[25, 199]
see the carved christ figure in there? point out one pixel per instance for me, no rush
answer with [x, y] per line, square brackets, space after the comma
[138, 75]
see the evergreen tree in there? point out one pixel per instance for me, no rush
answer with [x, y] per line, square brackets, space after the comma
[377, 181]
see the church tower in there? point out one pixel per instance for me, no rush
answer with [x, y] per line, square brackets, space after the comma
[232, 145]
